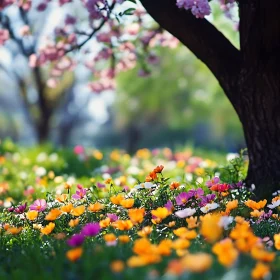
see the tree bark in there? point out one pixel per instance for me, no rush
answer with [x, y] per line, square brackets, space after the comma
[250, 77]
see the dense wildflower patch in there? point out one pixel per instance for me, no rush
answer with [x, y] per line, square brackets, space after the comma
[156, 215]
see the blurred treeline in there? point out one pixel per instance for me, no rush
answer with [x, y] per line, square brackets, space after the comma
[179, 102]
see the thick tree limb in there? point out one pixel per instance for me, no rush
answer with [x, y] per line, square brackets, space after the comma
[201, 37]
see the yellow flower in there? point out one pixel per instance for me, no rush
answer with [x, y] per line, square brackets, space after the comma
[256, 213]
[67, 208]
[53, 214]
[32, 215]
[143, 246]
[74, 254]
[97, 154]
[117, 266]
[78, 211]
[127, 203]
[198, 262]
[95, 207]
[136, 215]
[231, 205]
[48, 228]
[260, 271]
[226, 252]
[74, 222]
[277, 241]
[255, 205]
[160, 212]
[164, 247]
[136, 261]
[210, 228]
[117, 199]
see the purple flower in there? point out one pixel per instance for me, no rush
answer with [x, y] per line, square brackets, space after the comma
[169, 205]
[21, 208]
[39, 205]
[80, 193]
[91, 229]
[207, 199]
[182, 198]
[11, 209]
[76, 240]
[100, 185]
[196, 193]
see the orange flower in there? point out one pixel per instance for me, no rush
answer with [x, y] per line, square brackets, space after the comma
[260, 254]
[117, 199]
[14, 230]
[105, 223]
[95, 207]
[231, 205]
[145, 231]
[110, 238]
[276, 238]
[32, 215]
[164, 247]
[123, 224]
[67, 186]
[117, 266]
[151, 177]
[136, 215]
[74, 222]
[175, 267]
[48, 228]
[174, 185]
[124, 238]
[180, 243]
[158, 169]
[183, 232]
[62, 197]
[210, 228]
[260, 271]
[74, 254]
[143, 246]
[127, 203]
[256, 213]
[192, 222]
[226, 252]
[198, 262]
[78, 211]
[53, 214]
[255, 205]
[67, 208]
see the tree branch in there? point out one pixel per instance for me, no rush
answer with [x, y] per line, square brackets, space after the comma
[201, 37]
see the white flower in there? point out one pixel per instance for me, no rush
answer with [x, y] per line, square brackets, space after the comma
[146, 185]
[225, 221]
[53, 157]
[185, 213]
[208, 207]
[40, 171]
[274, 204]
[189, 177]
[42, 157]
[232, 156]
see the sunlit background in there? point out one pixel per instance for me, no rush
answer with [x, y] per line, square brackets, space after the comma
[180, 103]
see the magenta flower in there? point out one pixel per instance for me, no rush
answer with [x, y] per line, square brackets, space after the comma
[21, 208]
[39, 205]
[212, 182]
[182, 198]
[76, 240]
[91, 229]
[198, 193]
[209, 198]
[80, 193]
[100, 185]
[169, 205]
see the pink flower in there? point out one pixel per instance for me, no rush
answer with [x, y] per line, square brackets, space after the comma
[76, 240]
[80, 193]
[112, 217]
[4, 36]
[169, 205]
[39, 205]
[212, 182]
[79, 149]
[182, 198]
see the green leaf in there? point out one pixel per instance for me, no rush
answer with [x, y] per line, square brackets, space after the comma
[129, 12]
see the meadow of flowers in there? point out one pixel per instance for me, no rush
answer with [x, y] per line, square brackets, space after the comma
[160, 214]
